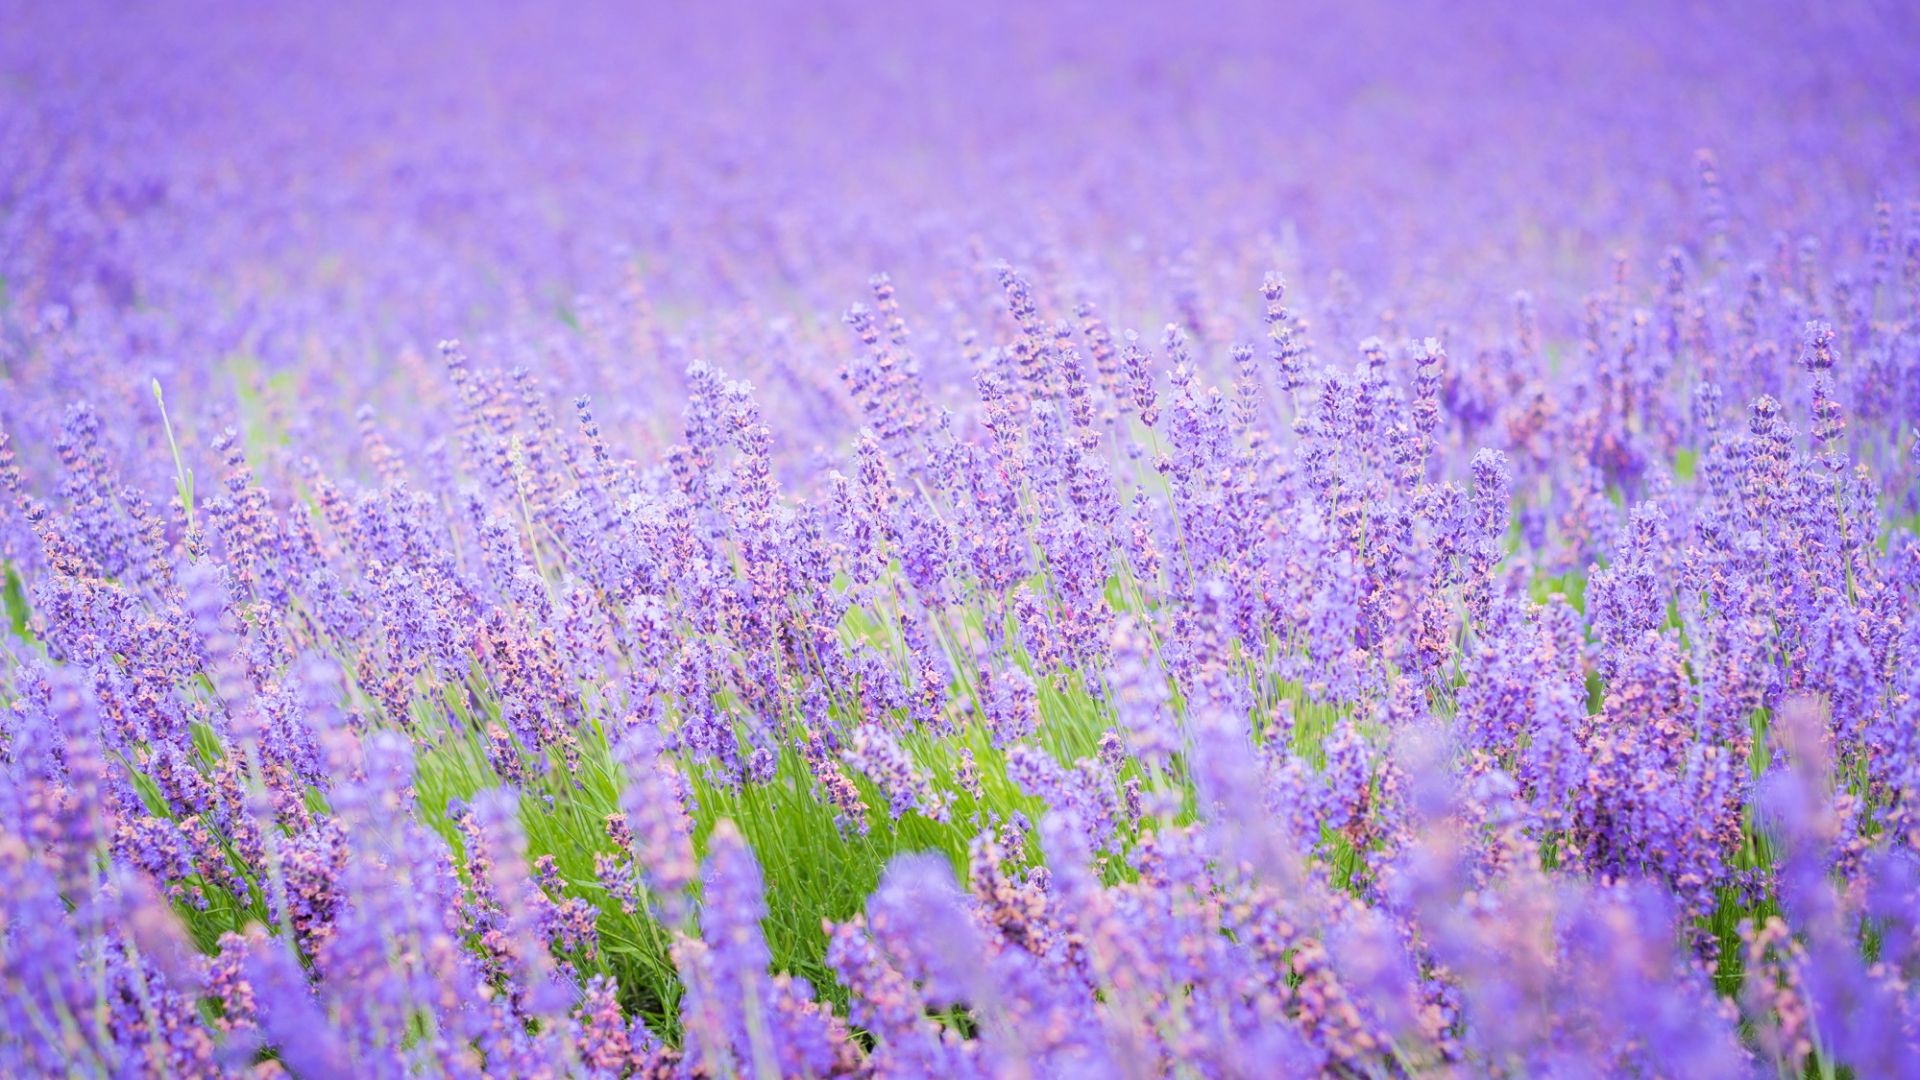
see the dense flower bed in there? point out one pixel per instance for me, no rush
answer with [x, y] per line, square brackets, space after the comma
[989, 540]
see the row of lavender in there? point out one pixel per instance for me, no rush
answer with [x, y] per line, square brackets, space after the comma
[1122, 660]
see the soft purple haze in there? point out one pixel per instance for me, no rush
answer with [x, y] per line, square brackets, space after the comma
[980, 539]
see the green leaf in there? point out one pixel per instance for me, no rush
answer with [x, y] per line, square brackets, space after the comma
[14, 593]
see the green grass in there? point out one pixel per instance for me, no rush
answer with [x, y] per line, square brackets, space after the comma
[13, 595]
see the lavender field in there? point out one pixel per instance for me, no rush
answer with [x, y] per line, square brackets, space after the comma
[751, 540]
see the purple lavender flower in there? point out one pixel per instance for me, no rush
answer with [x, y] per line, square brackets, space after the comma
[1406, 664]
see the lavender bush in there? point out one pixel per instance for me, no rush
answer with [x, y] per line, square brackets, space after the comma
[978, 540]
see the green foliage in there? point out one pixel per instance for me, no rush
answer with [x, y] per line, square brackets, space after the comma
[13, 594]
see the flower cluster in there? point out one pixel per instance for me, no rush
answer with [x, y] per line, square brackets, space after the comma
[1341, 543]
